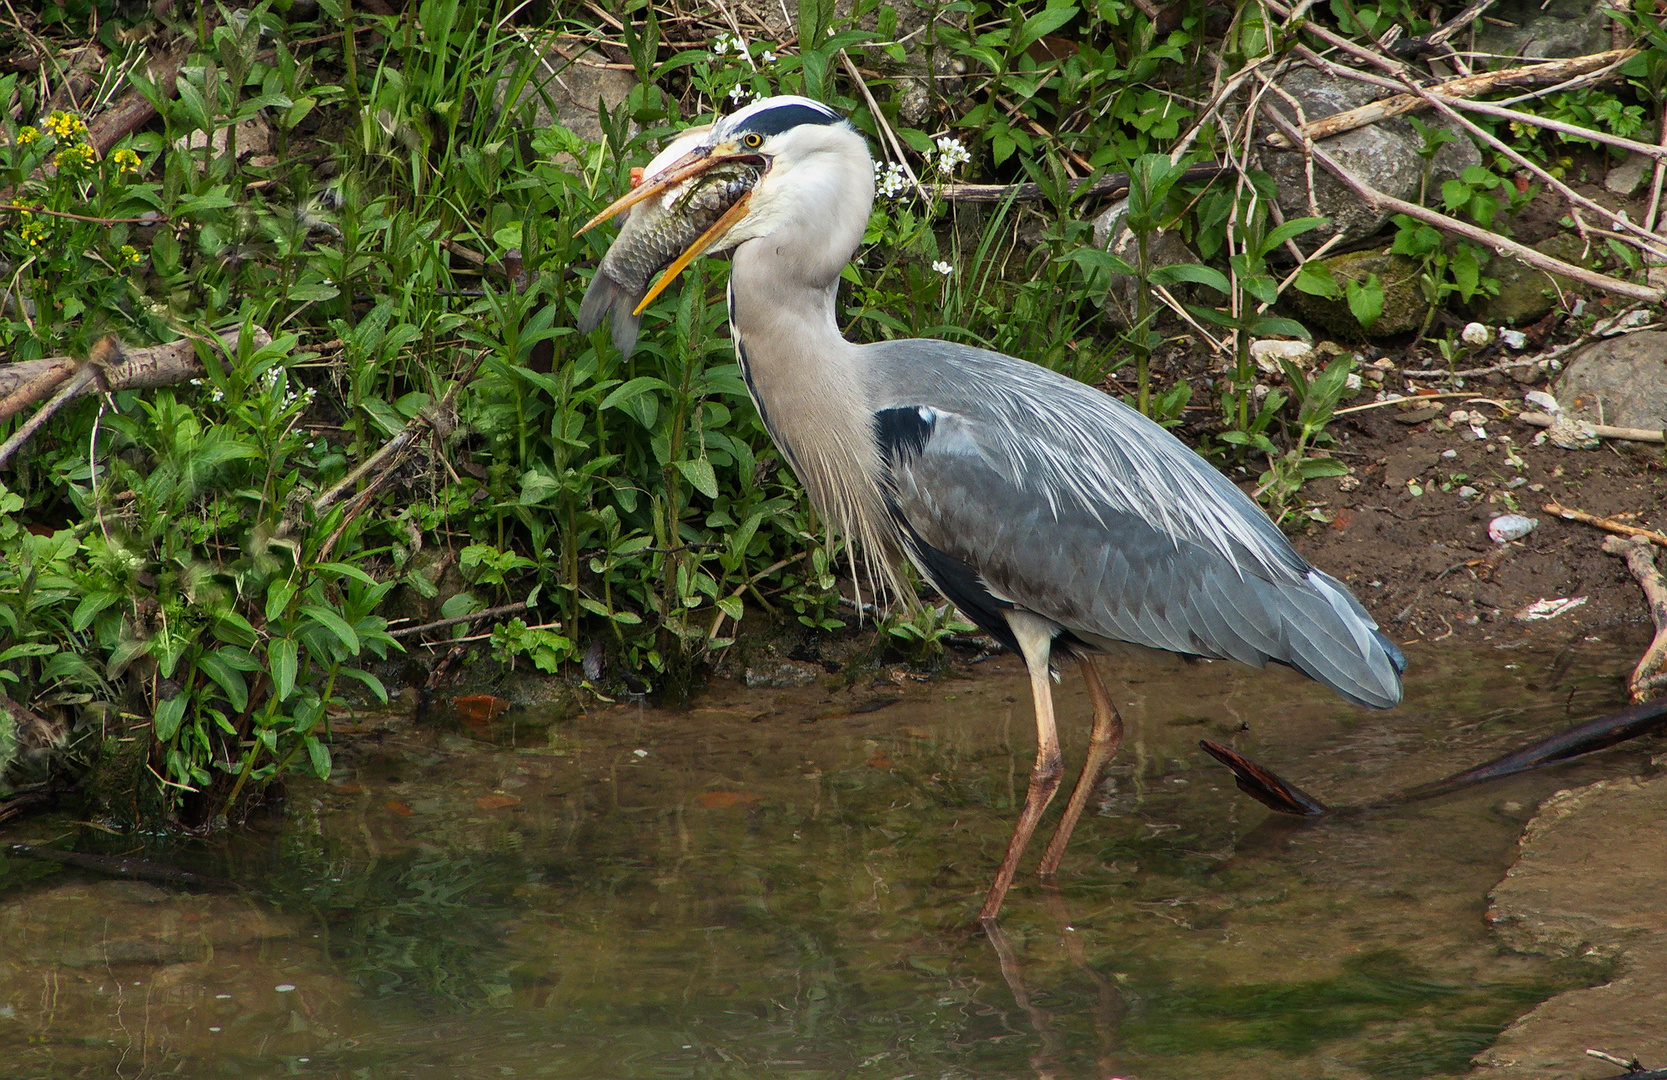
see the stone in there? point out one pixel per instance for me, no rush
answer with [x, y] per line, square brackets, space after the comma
[1112, 233]
[774, 672]
[1542, 30]
[1384, 155]
[1591, 881]
[1404, 306]
[1526, 294]
[254, 141]
[566, 86]
[1620, 381]
[1629, 177]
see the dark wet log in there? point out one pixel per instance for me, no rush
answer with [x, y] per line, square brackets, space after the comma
[125, 867]
[1270, 790]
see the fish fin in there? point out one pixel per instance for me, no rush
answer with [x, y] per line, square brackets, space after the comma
[607, 294]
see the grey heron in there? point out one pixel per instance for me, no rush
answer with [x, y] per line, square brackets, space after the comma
[1053, 516]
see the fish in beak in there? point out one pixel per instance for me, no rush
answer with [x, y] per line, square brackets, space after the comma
[688, 198]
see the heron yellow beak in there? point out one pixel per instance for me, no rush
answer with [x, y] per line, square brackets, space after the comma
[688, 166]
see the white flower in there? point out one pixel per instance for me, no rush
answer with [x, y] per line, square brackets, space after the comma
[767, 56]
[724, 44]
[740, 94]
[890, 181]
[942, 267]
[951, 155]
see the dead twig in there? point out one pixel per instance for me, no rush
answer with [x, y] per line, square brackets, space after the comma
[137, 369]
[436, 418]
[1486, 82]
[1619, 528]
[1650, 676]
[1111, 185]
[440, 624]
[25, 208]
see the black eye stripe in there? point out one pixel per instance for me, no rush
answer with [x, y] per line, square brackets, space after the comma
[780, 119]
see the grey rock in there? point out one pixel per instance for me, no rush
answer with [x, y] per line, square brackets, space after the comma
[1557, 28]
[1384, 155]
[1620, 381]
[565, 90]
[1112, 233]
[1629, 176]
[774, 672]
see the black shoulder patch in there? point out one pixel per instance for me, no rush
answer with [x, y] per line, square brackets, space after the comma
[783, 117]
[903, 433]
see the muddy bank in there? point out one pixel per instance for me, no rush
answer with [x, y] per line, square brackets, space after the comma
[1591, 882]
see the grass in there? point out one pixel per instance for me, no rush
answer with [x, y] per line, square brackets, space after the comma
[380, 212]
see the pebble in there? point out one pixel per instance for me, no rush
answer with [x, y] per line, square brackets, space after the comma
[1507, 527]
[1468, 492]
[1449, 454]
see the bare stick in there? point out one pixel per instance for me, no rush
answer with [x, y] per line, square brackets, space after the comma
[1470, 86]
[1568, 513]
[1649, 676]
[77, 383]
[138, 369]
[1111, 185]
[1459, 22]
[1602, 431]
[1499, 244]
[440, 624]
[30, 392]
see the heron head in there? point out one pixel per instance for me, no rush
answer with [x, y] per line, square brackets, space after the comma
[807, 158]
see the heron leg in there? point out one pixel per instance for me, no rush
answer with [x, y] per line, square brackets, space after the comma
[1035, 637]
[1103, 742]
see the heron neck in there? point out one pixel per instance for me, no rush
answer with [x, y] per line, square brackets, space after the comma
[811, 386]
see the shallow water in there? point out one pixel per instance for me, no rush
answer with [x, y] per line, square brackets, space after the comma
[781, 884]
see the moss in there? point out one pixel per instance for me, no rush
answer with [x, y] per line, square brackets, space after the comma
[1404, 306]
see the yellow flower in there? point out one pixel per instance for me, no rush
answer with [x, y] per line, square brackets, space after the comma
[126, 160]
[27, 135]
[63, 124]
[129, 255]
[33, 233]
[75, 157]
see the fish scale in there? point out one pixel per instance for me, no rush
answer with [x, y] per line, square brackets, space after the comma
[655, 233]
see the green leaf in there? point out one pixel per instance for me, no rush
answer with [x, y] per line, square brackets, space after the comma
[732, 606]
[229, 679]
[1315, 279]
[369, 680]
[699, 473]
[285, 657]
[333, 623]
[313, 291]
[319, 754]
[1366, 300]
[168, 717]
[1194, 274]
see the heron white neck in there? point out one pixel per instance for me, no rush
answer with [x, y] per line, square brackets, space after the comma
[811, 387]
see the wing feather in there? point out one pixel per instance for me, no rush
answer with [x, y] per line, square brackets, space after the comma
[1075, 507]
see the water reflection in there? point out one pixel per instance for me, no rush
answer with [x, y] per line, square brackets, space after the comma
[782, 883]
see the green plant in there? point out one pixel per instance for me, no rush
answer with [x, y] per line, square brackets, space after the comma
[1316, 399]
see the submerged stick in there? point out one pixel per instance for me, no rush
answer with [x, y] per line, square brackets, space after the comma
[125, 866]
[1269, 789]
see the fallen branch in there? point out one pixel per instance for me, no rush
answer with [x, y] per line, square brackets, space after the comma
[1619, 528]
[1602, 431]
[109, 368]
[1499, 244]
[1486, 82]
[1650, 676]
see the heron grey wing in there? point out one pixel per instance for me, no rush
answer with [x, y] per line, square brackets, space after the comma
[992, 537]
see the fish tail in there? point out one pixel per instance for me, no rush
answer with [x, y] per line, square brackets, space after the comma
[604, 294]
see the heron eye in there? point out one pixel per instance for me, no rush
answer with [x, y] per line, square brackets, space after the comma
[752, 140]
